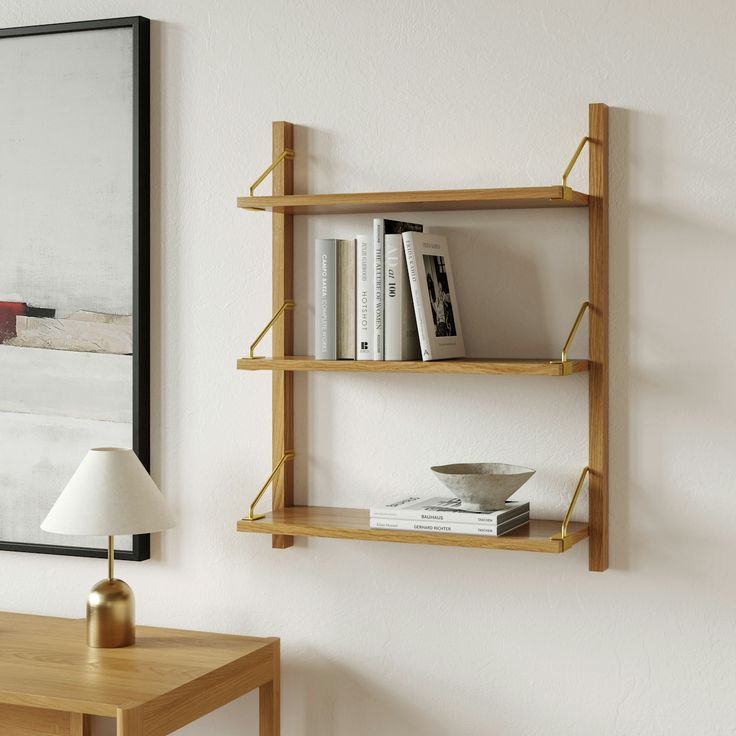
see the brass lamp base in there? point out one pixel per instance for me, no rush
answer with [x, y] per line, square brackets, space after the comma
[110, 615]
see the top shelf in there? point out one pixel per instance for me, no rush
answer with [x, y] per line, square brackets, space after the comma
[435, 200]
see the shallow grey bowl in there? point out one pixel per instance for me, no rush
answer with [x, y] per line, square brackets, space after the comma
[482, 487]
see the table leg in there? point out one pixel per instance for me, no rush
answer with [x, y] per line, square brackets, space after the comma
[269, 708]
[130, 723]
[79, 724]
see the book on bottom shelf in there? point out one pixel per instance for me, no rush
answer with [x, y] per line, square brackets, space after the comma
[446, 509]
[448, 527]
[434, 296]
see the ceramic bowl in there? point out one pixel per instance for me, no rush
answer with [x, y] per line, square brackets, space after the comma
[482, 487]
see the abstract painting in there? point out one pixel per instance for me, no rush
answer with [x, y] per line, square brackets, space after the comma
[73, 265]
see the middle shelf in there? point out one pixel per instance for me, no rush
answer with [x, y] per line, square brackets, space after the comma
[492, 366]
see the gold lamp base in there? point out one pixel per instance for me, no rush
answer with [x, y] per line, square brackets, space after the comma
[110, 615]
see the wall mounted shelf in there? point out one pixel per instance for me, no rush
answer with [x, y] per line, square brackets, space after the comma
[486, 366]
[339, 523]
[434, 200]
[288, 520]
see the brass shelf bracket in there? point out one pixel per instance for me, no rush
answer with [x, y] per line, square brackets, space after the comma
[564, 362]
[289, 455]
[566, 191]
[562, 536]
[287, 153]
[288, 304]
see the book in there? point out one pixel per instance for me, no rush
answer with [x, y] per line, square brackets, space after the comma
[448, 527]
[325, 312]
[377, 289]
[434, 296]
[364, 298]
[381, 228]
[446, 508]
[345, 306]
[401, 339]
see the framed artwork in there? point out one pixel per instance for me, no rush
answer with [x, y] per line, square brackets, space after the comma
[74, 266]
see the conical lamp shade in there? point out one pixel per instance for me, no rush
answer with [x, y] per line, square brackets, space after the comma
[110, 493]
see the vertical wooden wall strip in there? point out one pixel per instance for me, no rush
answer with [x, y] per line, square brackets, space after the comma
[598, 377]
[283, 335]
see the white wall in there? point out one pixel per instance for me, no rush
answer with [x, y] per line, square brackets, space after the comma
[415, 641]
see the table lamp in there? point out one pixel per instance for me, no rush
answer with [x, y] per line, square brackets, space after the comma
[110, 493]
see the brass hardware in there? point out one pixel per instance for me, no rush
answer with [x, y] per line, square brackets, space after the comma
[566, 365]
[287, 153]
[566, 191]
[110, 609]
[288, 304]
[288, 455]
[562, 536]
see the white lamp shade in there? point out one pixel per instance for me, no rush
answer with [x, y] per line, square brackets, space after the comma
[110, 493]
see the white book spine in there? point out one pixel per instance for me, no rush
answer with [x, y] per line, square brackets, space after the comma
[411, 265]
[325, 334]
[364, 301]
[485, 530]
[345, 308]
[378, 305]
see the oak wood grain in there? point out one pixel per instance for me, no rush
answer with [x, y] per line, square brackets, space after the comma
[415, 201]
[282, 430]
[598, 341]
[198, 697]
[17, 720]
[269, 699]
[129, 722]
[488, 366]
[80, 724]
[347, 523]
[167, 677]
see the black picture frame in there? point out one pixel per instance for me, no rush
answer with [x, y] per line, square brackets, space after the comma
[140, 27]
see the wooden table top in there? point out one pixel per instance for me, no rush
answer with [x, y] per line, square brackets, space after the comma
[45, 662]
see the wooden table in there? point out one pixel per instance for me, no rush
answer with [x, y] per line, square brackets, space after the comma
[51, 682]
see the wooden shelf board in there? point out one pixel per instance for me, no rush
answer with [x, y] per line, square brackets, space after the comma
[340, 523]
[492, 366]
[434, 200]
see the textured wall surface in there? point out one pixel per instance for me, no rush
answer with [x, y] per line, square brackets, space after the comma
[422, 641]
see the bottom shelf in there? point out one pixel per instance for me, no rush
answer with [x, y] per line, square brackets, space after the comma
[325, 521]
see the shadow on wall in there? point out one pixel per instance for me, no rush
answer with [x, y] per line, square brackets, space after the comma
[337, 700]
[156, 258]
[655, 350]
[621, 486]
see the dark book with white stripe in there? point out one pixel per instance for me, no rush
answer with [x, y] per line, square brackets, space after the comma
[381, 228]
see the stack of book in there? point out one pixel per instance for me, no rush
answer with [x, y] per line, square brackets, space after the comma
[443, 514]
[389, 296]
